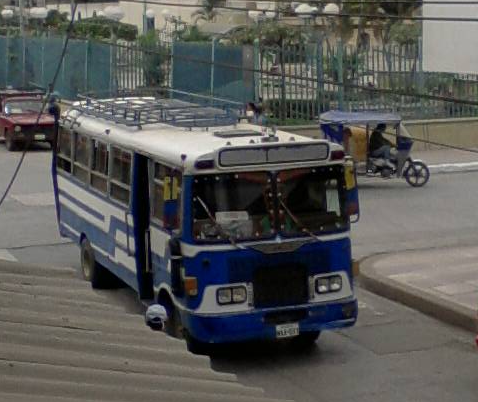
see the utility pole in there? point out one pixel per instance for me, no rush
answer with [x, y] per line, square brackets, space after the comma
[20, 6]
[145, 22]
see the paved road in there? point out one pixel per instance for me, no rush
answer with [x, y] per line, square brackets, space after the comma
[395, 216]
[393, 354]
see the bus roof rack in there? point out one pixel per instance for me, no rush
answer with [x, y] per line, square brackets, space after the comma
[138, 112]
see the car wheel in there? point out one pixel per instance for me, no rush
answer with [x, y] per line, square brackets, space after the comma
[9, 143]
[93, 271]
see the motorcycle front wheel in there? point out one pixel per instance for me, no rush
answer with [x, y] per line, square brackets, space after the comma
[417, 174]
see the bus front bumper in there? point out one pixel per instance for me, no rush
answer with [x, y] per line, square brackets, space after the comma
[260, 324]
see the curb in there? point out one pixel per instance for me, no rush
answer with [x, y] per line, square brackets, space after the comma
[434, 306]
[454, 167]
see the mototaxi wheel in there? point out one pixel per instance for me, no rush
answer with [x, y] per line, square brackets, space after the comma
[417, 174]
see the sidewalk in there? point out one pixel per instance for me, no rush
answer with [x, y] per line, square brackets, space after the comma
[448, 160]
[440, 282]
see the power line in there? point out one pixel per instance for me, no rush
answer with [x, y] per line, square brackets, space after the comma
[47, 96]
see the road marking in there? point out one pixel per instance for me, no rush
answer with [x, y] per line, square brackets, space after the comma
[35, 199]
[6, 255]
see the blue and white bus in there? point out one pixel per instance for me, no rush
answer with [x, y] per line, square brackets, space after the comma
[241, 233]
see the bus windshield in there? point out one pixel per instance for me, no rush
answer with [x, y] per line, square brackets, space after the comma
[310, 201]
[258, 205]
[231, 206]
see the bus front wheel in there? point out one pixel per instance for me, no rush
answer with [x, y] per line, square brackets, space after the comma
[92, 271]
[197, 347]
[305, 340]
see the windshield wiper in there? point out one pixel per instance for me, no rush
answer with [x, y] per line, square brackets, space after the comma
[298, 222]
[219, 227]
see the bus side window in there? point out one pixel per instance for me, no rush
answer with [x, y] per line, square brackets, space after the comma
[166, 196]
[63, 157]
[99, 166]
[120, 175]
[81, 158]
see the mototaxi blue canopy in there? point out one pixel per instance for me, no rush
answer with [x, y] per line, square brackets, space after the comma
[333, 121]
[340, 117]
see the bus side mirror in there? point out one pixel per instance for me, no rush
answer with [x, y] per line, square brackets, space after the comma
[352, 208]
[177, 286]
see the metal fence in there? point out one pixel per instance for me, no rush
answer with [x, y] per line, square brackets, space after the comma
[213, 69]
[296, 83]
[299, 82]
[32, 61]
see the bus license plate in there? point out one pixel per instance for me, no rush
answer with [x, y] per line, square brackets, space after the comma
[39, 137]
[287, 330]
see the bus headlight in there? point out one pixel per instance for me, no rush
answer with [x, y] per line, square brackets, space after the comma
[322, 285]
[328, 284]
[335, 283]
[224, 296]
[231, 295]
[18, 129]
[239, 294]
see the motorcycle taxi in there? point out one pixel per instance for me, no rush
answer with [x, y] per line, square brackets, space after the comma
[353, 131]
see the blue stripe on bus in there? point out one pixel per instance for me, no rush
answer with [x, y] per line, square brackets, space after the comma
[82, 205]
[105, 241]
[99, 239]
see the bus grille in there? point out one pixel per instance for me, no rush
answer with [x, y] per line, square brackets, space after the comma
[280, 286]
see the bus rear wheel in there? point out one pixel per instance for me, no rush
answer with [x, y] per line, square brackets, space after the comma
[94, 272]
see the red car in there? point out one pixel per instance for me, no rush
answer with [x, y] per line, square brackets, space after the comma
[18, 114]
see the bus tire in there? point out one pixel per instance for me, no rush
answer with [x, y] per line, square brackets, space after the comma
[305, 340]
[195, 346]
[173, 325]
[93, 271]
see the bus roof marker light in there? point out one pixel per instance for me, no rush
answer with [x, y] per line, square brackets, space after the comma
[337, 155]
[204, 164]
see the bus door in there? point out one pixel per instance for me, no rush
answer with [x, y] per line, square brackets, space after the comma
[140, 211]
[165, 202]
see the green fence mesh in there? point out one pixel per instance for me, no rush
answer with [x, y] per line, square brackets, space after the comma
[32, 61]
[214, 70]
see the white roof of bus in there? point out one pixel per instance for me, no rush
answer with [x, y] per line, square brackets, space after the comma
[167, 143]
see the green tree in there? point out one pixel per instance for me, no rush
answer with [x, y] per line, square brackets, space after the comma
[154, 56]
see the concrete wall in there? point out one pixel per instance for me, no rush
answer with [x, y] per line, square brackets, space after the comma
[457, 132]
[461, 132]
